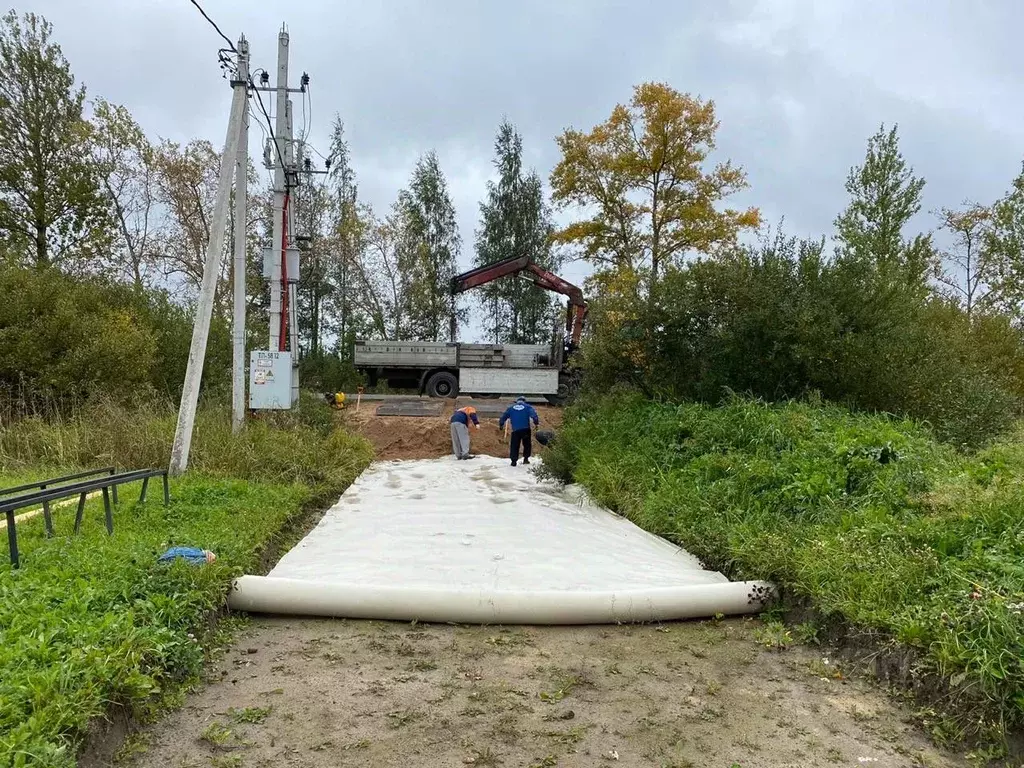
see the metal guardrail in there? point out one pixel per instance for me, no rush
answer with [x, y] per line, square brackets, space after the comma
[43, 485]
[46, 493]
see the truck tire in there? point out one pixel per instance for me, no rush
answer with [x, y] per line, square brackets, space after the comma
[568, 385]
[443, 384]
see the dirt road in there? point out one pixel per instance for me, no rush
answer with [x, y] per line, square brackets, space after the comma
[322, 693]
[318, 693]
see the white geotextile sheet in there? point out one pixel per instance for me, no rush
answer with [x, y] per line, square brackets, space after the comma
[484, 526]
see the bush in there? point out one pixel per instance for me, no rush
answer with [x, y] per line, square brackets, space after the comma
[865, 517]
[327, 372]
[65, 339]
[972, 409]
[780, 321]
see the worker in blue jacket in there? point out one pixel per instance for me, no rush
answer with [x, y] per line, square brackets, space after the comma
[520, 413]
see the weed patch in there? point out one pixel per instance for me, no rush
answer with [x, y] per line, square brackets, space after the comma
[93, 621]
[300, 447]
[869, 520]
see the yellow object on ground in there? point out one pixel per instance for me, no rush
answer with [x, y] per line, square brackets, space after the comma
[54, 505]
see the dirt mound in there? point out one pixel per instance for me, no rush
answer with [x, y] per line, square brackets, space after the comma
[429, 437]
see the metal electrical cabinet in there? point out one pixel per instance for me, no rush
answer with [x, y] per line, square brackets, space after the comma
[270, 380]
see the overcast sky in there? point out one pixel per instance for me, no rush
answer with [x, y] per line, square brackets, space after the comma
[799, 84]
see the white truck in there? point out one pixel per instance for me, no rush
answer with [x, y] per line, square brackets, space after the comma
[446, 369]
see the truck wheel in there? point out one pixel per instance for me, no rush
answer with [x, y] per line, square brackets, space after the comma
[443, 384]
[567, 386]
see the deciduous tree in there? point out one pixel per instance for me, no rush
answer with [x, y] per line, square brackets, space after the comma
[186, 184]
[52, 207]
[1004, 242]
[124, 159]
[383, 278]
[643, 176]
[969, 266]
[884, 196]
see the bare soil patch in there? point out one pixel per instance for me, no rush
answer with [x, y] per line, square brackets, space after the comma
[324, 693]
[429, 437]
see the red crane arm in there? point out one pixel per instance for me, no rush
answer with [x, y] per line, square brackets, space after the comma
[514, 266]
[540, 277]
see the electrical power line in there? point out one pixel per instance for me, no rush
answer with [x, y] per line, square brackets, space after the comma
[305, 124]
[227, 39]
[270, 126]
[266, 136]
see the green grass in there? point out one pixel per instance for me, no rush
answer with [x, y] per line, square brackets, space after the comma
[93, 621]
[11, 477]
[867, 519]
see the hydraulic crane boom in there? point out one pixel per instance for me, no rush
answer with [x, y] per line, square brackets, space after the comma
[522, 265]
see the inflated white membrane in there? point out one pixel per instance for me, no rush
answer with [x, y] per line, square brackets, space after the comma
[479, 541]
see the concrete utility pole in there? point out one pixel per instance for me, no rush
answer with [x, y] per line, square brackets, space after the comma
[211, 271]
[278, 245]
[291, 158]
[239, 366]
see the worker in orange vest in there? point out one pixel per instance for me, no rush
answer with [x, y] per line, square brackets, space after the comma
[460, 430]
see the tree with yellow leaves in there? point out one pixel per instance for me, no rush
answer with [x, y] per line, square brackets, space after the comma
[643, 173]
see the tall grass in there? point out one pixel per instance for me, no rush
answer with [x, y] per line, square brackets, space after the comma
[868, 519]
[92, 620]
[301, 447]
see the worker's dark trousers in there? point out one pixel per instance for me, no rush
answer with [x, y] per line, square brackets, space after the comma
[520, 437]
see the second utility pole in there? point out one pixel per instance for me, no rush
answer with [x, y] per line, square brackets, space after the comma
[284, 332]
[211, 271]
[239, 364]
[278, 244]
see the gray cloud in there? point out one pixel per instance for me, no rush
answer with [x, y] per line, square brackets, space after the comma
[799, 84]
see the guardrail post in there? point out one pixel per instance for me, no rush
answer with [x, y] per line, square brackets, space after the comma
[145, 486]
[12, 539]
[80, 512]
[113, 490]
[106, 510]
[46, 514]
[167, 491]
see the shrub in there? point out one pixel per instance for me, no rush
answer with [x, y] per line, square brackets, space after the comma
[64, 339]
[779, 321]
